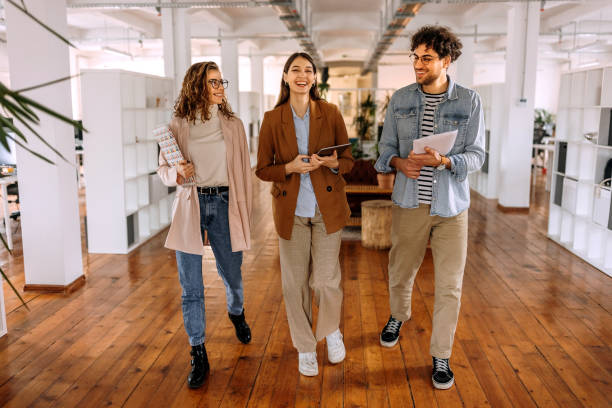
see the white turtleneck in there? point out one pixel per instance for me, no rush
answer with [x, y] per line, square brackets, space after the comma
[207, 150]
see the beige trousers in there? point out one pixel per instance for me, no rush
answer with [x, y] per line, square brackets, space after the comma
[310, 245]
[411, 229]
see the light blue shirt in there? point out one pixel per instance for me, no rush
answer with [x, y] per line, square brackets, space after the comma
[306, 201]
[460, 110]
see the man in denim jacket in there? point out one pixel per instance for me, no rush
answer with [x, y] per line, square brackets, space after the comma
[431, 190]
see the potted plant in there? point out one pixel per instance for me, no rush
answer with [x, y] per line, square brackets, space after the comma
[324, 85]
[22, 109]
[543, 124]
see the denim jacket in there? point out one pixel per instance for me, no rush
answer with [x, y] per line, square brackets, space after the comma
[460, 109]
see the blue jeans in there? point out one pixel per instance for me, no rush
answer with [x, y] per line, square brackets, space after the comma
[214, 219]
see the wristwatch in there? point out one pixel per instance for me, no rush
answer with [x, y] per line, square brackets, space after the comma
[441, 166]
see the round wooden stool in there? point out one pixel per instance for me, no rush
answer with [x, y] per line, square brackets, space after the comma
[376, 224]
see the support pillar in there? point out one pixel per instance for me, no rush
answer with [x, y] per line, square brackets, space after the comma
[229, 70]
[517, 137]
[176, 35]
[50, 225]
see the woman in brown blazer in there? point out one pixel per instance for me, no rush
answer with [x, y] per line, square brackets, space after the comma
[309, 206]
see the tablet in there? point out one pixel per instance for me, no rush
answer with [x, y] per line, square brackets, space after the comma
[328, 151]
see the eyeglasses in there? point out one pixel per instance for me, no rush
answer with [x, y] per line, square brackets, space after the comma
[216, 82]
[425, 59]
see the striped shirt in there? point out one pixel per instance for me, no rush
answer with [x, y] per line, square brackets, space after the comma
[425, 179]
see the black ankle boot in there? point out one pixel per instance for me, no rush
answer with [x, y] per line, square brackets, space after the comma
[199, 366]
[243, 332]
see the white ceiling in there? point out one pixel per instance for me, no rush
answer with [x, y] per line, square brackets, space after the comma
[342, 30]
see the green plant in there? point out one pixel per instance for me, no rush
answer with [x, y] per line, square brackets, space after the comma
[543, 123]
[364, 121]
[22, 109]
[324, 85]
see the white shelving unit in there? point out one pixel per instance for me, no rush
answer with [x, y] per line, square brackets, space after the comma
[485, 181]
[580, 216]
[126, 201]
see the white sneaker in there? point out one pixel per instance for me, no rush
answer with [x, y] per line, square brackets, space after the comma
[308, 364]
[335, 347]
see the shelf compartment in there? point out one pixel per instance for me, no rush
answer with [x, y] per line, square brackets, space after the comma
[578, 88]
[140, 117]
[592, 94]
[567, 228]
[606, 90]
[140, 92]
[143, 191]
[568, 199]
[596, 244]
[154, 217]
[131, 196]
[584, 200]
[144, 229]
[575, 125]
[608, 252]
[129, 161]
[572, 161]
[601, 206]
[128, 118]
[580, 235]
[554, 220]
[142, 159]
[587, 161]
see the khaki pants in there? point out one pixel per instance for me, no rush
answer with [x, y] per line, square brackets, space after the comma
[410, 231]
[310, 242]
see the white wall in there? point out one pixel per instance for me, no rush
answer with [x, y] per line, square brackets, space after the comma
[548, 79]
[395, 76]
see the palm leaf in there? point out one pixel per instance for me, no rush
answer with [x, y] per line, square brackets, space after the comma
[55, 81]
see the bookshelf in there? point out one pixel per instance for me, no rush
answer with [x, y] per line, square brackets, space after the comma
[126, 201]
[580, 216]
[484, 181]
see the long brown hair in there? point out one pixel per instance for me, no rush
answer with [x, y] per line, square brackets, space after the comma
[284, 87]
[193, 99]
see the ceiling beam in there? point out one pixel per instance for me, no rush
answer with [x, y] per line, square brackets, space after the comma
[218, 18]
[129, 19]
[297, 21]
[570, 15]
[393, 26]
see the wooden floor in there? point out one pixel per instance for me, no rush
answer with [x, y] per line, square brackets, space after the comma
[535, 330]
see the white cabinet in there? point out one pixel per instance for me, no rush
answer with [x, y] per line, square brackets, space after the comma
[126, 203]
[580, 216]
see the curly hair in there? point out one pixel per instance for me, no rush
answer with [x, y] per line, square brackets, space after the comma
[193, 99]
[440, 39]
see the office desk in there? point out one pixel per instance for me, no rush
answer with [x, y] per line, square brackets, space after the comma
[4, 182]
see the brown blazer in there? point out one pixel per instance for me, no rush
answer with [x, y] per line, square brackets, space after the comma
[185, 232]
[278, 145]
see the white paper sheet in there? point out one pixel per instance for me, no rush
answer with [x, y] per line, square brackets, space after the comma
[441, 142]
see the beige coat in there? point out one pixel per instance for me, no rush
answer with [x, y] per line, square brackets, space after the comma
[185, 234]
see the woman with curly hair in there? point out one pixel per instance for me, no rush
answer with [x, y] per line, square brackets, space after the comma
[213, 142]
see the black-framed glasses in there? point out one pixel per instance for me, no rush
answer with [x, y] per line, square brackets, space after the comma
[425, 59]
[216, 82]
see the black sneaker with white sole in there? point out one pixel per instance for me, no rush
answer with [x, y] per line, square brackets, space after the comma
[390, 333]
[442, 376]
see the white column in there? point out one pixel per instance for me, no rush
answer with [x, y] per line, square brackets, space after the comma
[229, 69]
[257, 81]
[176, 35]
[50, 225]
[517, 137]
[465, 63]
